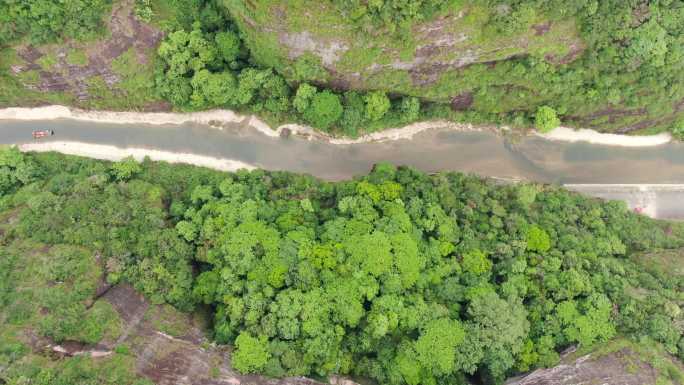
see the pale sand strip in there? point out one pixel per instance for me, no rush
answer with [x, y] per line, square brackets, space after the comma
[99, 151]
[218, 117]
[571, 135]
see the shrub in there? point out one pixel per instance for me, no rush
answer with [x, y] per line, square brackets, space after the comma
[546, 120]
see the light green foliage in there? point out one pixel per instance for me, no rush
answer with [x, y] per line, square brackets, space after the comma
[143, 10]
[435, 348]
[648, 45]
[377, 105]
[515, 20]
[125, 169]
[500, 327]
[251, 354]
[538, 240]
[546, 120]
[476, 262]
[212, 89]
[303, 97]
[228, 44]
[134, 88]
[48, 61]
[678, 129]
[354, 113]
[527, 194]
[55, 284]
[589, 325]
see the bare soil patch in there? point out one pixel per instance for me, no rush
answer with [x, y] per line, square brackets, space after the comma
[462, 102]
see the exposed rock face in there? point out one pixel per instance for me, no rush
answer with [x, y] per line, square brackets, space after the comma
[407, 63]
[623, 367]
[300, 43]
[185, 358]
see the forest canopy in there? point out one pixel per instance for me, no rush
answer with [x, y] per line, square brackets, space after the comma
[399, 276]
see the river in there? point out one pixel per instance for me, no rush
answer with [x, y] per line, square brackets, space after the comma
[480, 152]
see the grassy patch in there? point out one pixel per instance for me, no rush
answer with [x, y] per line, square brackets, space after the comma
[48, 61]
[126, 64]
[136, 81]
[77, 57]
[29, 77]
[167, 319]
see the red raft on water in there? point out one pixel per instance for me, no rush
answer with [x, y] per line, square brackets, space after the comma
[42, 134]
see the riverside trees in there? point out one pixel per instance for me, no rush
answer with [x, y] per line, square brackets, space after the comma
[399, 276]
[205, 65]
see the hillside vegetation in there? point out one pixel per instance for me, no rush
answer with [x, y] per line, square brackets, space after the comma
[351, 67]
[612, 65]
[398, 276]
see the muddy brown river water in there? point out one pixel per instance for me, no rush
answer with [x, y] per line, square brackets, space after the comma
[484, 153]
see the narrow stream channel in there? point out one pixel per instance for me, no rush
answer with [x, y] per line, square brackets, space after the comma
[484, 153]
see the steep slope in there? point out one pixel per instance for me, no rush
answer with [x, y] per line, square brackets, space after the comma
[611, 65]
[619, 362]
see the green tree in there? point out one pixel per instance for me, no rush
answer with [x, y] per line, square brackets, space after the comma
[324, 110]
[435, 348]
[126, 169]
[546, 120]
[538, 239]
[377, 105]
[228, 44]
[409, 109]
[476, 262]
[212, 89]
[251, 353]
[303, 97]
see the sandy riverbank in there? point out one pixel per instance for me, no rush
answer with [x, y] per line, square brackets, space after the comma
[112, 153]
[584, 135]
[220, 118]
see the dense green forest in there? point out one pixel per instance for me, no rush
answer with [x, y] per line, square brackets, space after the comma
[613, 65]
[399, 276]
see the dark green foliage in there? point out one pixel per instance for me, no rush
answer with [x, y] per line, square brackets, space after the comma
[15, 170]
[324, 109]
[391, 14]
[399, 276]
